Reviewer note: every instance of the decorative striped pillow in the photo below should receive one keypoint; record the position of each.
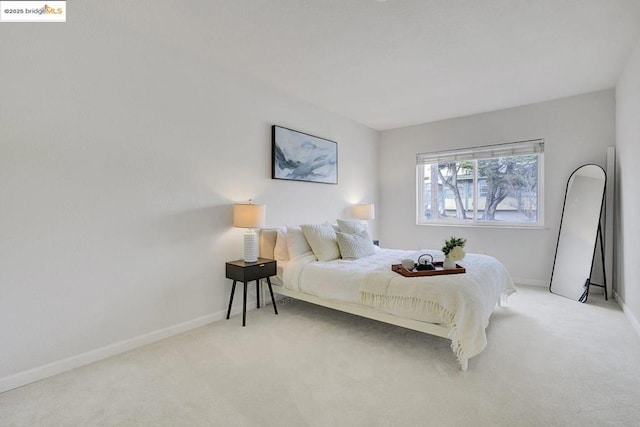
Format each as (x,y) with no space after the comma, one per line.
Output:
(355,245)
(352,225)
(322,239)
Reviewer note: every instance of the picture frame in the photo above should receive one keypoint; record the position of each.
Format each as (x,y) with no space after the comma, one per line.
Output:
(298,156)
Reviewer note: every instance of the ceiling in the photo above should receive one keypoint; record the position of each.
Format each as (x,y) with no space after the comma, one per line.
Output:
(394,63)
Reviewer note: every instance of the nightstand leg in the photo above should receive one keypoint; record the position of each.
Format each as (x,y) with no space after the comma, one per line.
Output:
(233,289)
(244,305)
(258,292)
(273,300)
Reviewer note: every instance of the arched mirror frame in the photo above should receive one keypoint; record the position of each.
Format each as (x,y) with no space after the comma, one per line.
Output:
(597,236)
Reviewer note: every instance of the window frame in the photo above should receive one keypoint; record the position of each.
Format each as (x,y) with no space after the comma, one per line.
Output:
(475,154)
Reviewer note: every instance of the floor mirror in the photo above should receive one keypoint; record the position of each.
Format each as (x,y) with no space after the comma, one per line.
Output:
(579,233)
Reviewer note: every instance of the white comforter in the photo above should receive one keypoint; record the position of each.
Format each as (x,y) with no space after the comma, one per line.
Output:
(463,302)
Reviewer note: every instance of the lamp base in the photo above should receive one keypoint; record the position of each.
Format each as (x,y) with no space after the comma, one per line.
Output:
(250,246)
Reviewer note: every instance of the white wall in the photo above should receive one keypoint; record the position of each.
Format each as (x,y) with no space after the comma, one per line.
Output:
(628,154)
(577,130)
(120,159)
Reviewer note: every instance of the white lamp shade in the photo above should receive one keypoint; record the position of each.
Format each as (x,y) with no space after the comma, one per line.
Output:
(249,215)
(364,211)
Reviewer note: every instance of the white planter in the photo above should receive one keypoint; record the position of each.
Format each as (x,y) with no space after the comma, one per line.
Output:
(449,264)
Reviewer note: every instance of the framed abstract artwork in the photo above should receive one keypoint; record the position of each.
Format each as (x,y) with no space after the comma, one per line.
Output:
(299,156)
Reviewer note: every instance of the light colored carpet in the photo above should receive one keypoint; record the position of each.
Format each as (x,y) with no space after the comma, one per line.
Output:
(550,361)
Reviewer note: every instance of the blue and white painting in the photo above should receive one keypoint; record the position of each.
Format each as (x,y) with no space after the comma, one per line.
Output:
(302,157)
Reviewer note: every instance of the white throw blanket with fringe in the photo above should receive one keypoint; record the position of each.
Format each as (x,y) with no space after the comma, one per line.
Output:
(463,302)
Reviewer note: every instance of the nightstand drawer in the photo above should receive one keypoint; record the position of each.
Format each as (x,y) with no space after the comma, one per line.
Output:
(250,272)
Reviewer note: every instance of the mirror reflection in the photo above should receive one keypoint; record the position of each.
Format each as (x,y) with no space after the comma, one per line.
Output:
(578,233)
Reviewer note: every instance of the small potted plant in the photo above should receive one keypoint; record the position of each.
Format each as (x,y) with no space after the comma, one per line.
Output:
(453,251)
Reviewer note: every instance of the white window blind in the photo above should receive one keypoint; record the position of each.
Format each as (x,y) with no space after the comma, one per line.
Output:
(520,148)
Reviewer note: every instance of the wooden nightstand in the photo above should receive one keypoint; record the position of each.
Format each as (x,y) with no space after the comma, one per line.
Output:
(240,271)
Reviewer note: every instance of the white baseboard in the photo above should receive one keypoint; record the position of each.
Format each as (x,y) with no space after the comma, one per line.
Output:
(530,282)
(545,284)
(41,372)
(634,321)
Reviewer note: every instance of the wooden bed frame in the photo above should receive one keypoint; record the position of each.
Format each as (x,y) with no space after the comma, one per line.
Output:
(267,243)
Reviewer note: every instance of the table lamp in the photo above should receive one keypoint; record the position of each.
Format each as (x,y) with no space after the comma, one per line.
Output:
(249,216)
(364,211)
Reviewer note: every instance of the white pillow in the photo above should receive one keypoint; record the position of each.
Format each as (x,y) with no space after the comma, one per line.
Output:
(296,242)
(354,226)
(280,250)
(355,245)
(351,225)
(322,239)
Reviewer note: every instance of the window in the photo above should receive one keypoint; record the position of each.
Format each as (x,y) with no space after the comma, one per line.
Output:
(495,185)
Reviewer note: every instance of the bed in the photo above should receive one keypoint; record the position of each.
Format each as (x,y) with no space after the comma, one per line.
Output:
(456,307)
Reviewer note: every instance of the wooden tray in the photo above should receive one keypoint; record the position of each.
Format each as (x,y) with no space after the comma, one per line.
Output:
(439,271)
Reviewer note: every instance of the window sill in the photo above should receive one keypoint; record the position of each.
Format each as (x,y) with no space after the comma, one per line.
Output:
(477,225)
